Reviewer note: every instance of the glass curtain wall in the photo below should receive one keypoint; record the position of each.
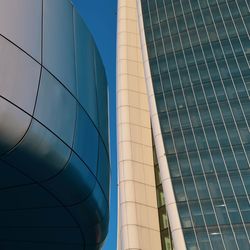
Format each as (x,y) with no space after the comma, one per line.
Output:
(199,53)
(166,238)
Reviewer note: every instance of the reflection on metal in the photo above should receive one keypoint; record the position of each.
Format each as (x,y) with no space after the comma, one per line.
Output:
(54,148)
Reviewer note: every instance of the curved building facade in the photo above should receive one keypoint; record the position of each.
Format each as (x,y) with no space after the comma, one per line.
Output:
(54,141)
(197,72)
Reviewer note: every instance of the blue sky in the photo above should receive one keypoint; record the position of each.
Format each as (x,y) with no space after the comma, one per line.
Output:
(100,16)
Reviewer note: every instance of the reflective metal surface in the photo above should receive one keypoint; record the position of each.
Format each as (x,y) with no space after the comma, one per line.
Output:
(19,76)
(85,72)
(21,22)
(54,158)
(58,41)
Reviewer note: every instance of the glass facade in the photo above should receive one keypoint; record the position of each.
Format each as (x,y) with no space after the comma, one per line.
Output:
(166,237)
(199,53)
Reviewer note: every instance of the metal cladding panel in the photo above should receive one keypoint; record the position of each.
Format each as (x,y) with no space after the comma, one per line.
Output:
(54,158)
(56,108)
(58,41)
(14,123)
(102,96)
(19,76)
(21,23)
(86,132)
(85,72)
(40,153)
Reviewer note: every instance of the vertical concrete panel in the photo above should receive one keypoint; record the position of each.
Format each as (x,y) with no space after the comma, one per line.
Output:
(138,214)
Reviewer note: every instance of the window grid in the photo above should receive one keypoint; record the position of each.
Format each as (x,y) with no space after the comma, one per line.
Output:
(228,100)
(184,140)
(186,11)
(197,146)
(239,137)
(203,103)
(221,116)
(210,26)
(231,110)
(236,57)
(183,186)
(209,60)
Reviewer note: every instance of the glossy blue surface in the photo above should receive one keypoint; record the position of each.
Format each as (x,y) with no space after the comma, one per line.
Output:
(100,16)
(54,145)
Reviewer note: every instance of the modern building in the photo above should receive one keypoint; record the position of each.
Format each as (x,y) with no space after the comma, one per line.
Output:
(54,141)
(183,72)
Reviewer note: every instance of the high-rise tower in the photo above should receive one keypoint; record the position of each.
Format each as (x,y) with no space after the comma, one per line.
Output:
(196,70)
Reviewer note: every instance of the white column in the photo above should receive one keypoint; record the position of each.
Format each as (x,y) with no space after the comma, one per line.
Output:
(138,212)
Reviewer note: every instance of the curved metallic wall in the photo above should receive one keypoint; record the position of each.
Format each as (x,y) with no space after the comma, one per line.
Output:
(54,158)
